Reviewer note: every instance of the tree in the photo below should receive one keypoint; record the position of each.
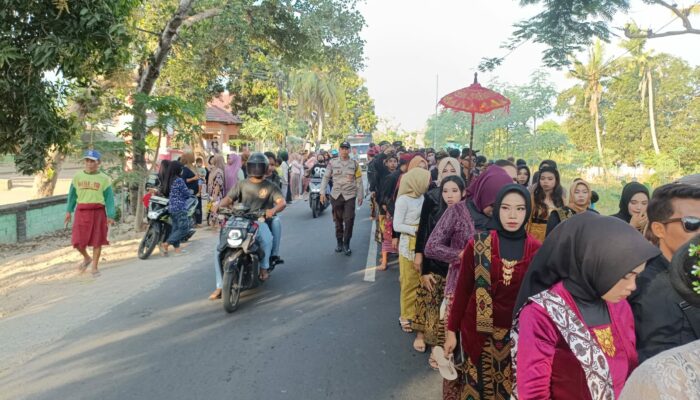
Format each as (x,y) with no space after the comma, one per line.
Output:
(592,75)
(319,98)
(567,27)
(643,62)
(48,49)
(539,95)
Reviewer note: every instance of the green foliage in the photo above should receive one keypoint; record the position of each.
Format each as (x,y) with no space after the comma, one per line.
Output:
(46,50)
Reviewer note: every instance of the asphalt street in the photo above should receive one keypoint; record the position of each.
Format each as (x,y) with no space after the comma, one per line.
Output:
(316,330)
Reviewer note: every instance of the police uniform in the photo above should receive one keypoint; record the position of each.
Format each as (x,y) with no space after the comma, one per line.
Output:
(347,185)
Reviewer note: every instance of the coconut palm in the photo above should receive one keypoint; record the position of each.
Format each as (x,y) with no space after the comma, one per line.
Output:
(319,97)
(591,76)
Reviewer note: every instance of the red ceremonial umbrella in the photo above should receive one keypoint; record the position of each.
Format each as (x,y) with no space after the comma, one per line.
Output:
(474,99)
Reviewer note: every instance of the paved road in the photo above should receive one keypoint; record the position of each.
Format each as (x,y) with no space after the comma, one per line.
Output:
(316,330)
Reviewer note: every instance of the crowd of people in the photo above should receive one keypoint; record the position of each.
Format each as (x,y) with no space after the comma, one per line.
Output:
(523,290)
(513,286)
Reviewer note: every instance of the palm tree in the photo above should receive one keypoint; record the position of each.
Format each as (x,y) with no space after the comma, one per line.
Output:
(319,97)
(644,63)
(592,75)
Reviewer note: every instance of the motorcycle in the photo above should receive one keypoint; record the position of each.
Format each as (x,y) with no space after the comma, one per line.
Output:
(315,197)
(160,224)
(239,253)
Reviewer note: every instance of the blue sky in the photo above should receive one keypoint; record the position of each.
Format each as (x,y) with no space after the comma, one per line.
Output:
(409,42)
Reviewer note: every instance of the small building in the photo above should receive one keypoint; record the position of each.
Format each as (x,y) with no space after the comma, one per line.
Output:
(221,125)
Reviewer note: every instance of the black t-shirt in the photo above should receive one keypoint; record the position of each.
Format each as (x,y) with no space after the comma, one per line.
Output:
(256,196)
(318,170)
(188,174)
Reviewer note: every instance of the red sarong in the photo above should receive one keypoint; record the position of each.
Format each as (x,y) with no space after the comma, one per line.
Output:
(89,226)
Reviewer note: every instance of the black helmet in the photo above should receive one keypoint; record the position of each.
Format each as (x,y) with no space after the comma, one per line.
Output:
(257,165)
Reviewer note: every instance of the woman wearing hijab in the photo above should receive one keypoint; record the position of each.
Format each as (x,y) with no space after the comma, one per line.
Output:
(432,272)
(216,186)
(482,194)
(232,173)
(493,266)
(580,195)
(674,373)
(573,332)
(546,198)
(633,205)
(406,218)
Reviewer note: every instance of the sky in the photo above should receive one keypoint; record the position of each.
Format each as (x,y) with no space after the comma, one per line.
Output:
(410,42)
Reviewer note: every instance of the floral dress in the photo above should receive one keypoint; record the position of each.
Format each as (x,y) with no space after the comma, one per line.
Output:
(216,193)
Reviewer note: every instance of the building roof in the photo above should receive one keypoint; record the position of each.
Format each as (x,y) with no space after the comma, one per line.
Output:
(215,113)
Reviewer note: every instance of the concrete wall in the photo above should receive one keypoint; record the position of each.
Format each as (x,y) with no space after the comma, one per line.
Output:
(29,219)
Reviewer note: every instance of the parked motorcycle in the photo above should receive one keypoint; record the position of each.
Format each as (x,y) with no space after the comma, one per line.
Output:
(315,197)
(160,224)
(239,253)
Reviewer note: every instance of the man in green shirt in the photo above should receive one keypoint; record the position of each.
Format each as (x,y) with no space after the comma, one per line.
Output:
(92,199)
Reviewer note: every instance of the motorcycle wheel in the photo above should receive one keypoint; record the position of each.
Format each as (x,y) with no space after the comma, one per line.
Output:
(232,286)
(314,208)
(149,241)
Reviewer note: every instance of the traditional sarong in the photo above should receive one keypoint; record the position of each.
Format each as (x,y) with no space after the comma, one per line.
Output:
(427,319)
(89,226)
(388,235)
(491,377)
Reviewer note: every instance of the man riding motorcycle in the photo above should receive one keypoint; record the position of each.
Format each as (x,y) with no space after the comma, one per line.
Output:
(257,194)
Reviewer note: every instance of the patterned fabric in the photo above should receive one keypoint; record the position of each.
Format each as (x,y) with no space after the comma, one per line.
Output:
(671,375)
(407,246)
(482,283)
(178,196)
(427,319)
(605,340)
(388,235)
(216,193)
(491,377)
(448,239)
(582,345)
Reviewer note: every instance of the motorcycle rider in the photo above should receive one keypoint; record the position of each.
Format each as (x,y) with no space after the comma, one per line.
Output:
(347,186)
(257,194)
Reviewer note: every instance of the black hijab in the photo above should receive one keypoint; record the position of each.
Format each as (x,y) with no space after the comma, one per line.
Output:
(628,192)
(529,176)
(511,245)
(590,253)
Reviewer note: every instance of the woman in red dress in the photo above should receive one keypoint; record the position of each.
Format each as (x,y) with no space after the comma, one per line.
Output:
(493,266)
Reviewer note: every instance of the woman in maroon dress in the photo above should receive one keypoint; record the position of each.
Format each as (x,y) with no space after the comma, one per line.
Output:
(573,337)
(493,266)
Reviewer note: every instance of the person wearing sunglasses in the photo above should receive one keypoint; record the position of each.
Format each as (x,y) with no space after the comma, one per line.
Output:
(663,320)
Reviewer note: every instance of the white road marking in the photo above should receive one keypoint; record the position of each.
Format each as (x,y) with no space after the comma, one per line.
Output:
(371,266)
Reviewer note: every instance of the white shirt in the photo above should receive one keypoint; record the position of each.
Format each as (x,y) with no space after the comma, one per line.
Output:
(406,218)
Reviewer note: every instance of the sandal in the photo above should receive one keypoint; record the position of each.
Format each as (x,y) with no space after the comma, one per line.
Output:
(215,295)
(445,365)
(417,345)
(406,325)
(95,274)
(83,265)
(381,267)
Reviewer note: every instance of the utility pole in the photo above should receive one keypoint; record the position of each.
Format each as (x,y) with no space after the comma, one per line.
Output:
(437,83)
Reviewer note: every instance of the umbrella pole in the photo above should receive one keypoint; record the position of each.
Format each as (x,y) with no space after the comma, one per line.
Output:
(471,149)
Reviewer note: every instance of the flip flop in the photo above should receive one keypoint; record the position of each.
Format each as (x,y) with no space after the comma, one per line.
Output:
(445,366)
(96,274)
(83,266)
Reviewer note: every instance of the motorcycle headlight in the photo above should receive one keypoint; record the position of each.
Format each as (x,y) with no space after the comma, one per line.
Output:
(235,238)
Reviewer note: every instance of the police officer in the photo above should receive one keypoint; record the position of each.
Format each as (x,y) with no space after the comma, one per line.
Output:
(347,186)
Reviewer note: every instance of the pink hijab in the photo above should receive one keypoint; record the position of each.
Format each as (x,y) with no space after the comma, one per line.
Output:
(233,165)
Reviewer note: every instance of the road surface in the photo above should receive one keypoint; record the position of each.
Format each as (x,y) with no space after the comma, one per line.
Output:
(145,330)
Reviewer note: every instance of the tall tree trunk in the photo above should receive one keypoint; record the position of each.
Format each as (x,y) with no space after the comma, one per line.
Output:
(652,118)
(45,181)
(599,141)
